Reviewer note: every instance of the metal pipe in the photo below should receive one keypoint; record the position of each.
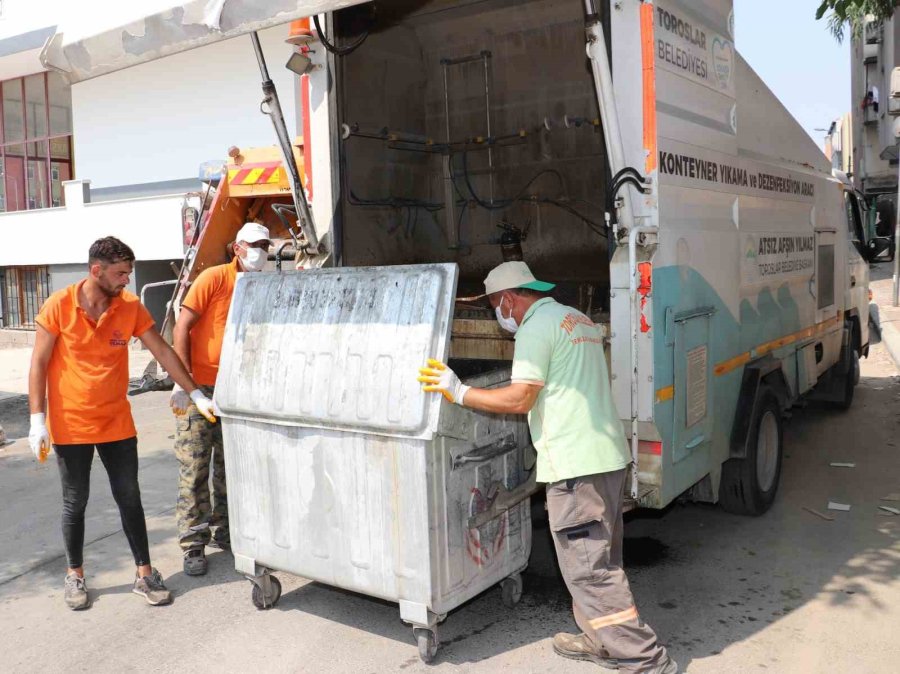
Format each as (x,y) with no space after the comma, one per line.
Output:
(486,58)
(462,59)
(278,254)
(157,284)
(633,234)
(270,99)
(615,148)
(449,196)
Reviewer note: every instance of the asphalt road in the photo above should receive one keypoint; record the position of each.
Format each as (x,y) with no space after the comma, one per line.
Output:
(786,592)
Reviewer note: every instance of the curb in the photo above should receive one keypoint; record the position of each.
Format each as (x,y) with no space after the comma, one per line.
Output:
(890,336)
(889,333)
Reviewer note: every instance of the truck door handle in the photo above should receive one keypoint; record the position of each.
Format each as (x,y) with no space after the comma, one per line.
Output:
(696,442)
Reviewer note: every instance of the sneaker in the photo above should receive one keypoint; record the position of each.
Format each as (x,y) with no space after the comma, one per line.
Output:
(76,593)
(152,589)
(578,647)
(195,562)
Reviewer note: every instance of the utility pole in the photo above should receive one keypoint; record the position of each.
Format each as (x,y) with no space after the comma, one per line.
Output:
(896,294)
(893,111)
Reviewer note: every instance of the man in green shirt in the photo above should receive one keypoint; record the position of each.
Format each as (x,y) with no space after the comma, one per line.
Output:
(559,378)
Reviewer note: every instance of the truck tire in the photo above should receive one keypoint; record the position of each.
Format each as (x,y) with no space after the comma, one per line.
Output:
(749,484)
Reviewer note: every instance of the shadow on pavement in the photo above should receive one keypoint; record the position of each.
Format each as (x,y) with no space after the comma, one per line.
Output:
(14,415)
(702,578)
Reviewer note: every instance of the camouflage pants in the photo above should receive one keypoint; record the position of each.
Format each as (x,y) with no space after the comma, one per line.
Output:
(198,446)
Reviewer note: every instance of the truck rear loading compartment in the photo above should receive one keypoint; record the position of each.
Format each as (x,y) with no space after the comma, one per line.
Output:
(493,102)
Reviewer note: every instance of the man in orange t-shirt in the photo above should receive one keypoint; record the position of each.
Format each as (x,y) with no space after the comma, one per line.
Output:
(79,376)
(198,336)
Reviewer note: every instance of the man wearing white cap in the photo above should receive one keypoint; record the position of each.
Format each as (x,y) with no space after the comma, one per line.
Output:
(198,342)
(560,379)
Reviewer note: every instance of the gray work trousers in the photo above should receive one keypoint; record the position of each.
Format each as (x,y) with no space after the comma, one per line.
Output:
(586,520)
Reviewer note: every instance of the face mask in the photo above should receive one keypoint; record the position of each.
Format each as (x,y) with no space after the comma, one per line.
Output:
(508,323)
(254,259)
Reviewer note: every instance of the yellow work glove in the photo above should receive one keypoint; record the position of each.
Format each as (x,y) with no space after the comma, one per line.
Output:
(179,401)
(39,437)
(438,378)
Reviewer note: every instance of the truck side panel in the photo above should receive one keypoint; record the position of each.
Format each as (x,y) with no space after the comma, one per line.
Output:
(752,251)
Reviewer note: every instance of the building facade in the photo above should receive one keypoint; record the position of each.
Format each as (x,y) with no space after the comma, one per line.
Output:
(874,144)
(839,144)
(115,155)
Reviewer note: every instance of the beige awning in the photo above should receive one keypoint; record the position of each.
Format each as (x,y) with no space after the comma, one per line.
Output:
(80,51)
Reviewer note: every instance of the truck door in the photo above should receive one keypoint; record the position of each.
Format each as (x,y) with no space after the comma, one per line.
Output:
(857,288)
(825,285)
(693,404)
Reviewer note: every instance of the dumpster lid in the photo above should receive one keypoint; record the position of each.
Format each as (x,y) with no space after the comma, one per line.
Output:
(88,44)
(337,348)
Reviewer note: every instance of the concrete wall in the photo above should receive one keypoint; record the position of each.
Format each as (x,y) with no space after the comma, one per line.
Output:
(152,227)
(539,71)
(873,142)
(155,299)
(158,121)
(62,275)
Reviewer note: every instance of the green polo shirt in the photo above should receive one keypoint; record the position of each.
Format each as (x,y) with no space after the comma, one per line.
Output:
(574,423)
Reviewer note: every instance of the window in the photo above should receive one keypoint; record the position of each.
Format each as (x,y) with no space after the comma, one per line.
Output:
(24,290)
(35,141)
(825,275)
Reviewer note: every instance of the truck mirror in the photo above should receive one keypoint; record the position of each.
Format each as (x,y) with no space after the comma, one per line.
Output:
(896,127)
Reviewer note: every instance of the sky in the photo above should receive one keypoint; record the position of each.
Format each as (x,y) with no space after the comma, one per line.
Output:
(797,57)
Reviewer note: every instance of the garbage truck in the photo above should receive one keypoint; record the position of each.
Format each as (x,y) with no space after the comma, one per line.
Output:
(628,153)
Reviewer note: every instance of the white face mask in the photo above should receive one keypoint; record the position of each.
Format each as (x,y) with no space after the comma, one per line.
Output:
(508,323)
(254,259)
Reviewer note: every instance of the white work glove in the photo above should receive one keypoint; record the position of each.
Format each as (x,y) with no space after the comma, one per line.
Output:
(204,405)
(179,401)
(438,378)
(38,437)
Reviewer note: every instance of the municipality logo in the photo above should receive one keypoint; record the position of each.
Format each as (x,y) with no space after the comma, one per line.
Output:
(751,250)
(723,62)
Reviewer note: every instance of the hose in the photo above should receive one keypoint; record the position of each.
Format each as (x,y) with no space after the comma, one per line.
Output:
(501,204)
(641,187)
(627,170)
(278,208)
(338,51)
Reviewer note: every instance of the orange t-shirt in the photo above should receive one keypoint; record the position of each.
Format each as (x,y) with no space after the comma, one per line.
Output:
(210,298)
(87,377)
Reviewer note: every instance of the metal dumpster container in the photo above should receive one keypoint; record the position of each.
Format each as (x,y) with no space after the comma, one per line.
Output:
(341,470)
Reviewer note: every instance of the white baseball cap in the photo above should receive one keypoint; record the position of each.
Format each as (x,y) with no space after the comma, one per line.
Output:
(510,275)
(252,232)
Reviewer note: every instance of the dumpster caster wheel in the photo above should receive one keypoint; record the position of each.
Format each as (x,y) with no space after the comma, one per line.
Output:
(428,644)
(511,591)
(264,601)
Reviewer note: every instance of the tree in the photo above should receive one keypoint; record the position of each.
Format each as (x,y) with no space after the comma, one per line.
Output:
(852,14)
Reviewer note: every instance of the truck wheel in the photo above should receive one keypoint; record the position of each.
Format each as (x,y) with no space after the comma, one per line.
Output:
(749,484)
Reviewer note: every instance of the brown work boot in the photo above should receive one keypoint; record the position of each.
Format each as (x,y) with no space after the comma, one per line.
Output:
(579,647)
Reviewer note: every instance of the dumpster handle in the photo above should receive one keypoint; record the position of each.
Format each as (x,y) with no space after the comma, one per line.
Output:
(492,449)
